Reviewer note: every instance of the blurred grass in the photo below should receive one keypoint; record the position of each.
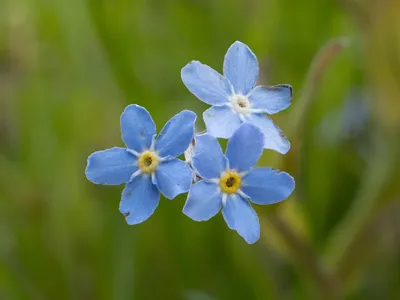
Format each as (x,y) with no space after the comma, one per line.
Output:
(67,70)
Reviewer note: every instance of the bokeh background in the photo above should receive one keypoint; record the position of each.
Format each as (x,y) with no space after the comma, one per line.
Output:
(69,67)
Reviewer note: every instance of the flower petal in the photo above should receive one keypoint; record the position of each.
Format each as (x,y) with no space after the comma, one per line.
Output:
(208,159)
(240,216)
(271,99)
(206,83)
(137,128)
(241,68)
(139,200)
(173,177)
(176,135)
(221,121)
(111,167)
(245,147)
(204,201)
(273,136)
(267,186)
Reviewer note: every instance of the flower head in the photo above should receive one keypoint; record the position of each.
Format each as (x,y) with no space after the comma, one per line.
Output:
(235,98)
(148,165)
(229,181)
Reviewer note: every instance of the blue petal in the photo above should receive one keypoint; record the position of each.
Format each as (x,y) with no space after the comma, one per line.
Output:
(267,186)
(112,166)
(204,201)
(137,128)
(176,135)
(245,147)
(273,136)
(173,177)
(221,121)
(240,216)
(140,199)
(206,83)
(241,68)
(271,99)
(208,159)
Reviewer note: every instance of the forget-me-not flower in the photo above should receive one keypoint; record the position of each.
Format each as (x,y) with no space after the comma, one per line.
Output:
(148,165)
(235,98)
(229,181)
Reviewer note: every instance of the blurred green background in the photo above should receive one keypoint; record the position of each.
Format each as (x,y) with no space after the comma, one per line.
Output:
(69,67)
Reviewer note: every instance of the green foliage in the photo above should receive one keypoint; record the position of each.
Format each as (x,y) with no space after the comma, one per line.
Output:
(67,70)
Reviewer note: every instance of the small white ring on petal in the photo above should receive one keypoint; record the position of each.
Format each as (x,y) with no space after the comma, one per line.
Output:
(137,154)
(153,143)
(243,173)
(214,180)
(256,111)
(240,104)
(165,158)
(136,174)
(224,197)
(240,192)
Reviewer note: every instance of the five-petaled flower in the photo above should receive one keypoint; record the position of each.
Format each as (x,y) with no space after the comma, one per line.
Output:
(235,99)
(148,165)
(230,181)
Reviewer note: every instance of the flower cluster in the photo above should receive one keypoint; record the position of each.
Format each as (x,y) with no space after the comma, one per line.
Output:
(213,180)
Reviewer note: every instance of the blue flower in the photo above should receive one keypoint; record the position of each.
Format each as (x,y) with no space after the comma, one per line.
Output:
(230,181)
(148,165)
(235,99)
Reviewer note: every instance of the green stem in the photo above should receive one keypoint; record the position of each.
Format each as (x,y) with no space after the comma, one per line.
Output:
(328,284)
(318,66)
(360,247)
(341,246)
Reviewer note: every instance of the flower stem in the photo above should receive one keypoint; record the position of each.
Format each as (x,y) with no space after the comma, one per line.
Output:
(318,66)
(327,283)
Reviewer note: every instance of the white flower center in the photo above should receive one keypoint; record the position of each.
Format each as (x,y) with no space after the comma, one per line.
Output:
(240,104)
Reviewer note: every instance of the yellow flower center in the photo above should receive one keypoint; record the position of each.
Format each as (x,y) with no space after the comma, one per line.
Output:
(229,182)
(148,161)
